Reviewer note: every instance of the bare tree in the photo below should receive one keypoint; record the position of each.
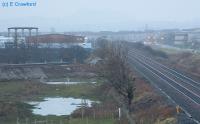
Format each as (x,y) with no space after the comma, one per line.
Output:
(117,71)
(102,47)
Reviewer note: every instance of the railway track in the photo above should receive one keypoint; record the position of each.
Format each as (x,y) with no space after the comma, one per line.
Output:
(181,89)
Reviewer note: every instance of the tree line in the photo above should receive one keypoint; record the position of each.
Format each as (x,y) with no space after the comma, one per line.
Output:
(41,55)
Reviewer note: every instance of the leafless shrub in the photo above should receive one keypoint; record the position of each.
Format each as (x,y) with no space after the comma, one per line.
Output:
(116,71)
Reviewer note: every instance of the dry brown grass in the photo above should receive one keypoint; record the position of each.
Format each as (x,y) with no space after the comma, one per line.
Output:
(187,62)
(149,106)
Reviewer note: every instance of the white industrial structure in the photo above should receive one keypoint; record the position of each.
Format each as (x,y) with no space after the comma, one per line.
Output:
(5,40)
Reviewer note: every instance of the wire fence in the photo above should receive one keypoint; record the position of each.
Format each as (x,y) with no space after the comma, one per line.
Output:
(67,121)
(98,115)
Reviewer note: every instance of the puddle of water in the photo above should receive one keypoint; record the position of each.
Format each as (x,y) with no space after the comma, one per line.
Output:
(58,106)
(57,82)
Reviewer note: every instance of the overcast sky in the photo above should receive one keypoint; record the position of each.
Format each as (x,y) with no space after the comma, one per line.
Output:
(98,15)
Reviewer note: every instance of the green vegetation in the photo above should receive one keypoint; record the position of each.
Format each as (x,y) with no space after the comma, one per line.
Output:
(56,120)
(168,50)
(149,50)
(92,121)
(26,91)
(167,121)
(14,93)
(85,90)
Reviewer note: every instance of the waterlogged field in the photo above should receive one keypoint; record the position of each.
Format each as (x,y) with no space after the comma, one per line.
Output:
(59,106)
(29,101)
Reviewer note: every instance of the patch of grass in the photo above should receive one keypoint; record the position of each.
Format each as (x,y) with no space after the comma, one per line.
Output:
(65,120)
(170,51)
(167,121)
(73,79)
(10,111)
(92,121)
(27,91)
(16,92)
(85,90)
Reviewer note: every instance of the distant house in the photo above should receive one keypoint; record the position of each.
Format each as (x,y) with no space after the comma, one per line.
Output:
(194,37)
(180,38)
(57,41)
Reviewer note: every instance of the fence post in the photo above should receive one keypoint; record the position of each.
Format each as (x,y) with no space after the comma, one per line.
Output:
(112,116)
(26,120)
(119,113)
(17,120)
(82,109)
(94,114)
(87,120)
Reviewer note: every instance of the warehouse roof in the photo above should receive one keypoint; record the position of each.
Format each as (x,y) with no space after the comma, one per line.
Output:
(56,38)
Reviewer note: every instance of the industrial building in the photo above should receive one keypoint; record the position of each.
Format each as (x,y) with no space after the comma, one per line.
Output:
(45,41)
(180,38)
(57,41)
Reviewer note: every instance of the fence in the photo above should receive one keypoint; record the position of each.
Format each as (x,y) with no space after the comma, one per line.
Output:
(66,121)
(26,121)
(98,114)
